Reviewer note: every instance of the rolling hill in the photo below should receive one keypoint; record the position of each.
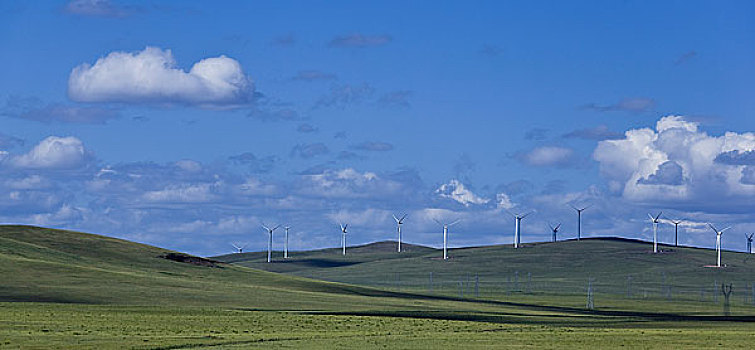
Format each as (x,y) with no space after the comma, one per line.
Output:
(621,267)
(64,289)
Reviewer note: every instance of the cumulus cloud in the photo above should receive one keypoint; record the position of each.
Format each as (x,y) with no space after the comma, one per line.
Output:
(348,183)
(668,173)
(598,133)
(456,191)
(736,157)
(396,99)
(35,109)
(374,146)
(685,57)
(255,164)
(151,76)
(194,193)
(314,75)
(678,163)
(537,134)
(632,105)
(306,128)
(53,153)
(309,150)
(345,95)
(547,156)
(98,8)
(358,40)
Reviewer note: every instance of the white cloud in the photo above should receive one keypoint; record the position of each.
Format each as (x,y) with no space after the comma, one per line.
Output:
(53,153)
(676,162)
(547,156)
(183,193)
(456,191)
(151,76)
(348,183)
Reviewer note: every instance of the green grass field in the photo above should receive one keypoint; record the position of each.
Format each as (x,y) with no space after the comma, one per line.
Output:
(63,289)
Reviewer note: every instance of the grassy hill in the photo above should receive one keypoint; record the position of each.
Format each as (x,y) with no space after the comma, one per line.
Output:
(48,265)
(63,289)
(617,267)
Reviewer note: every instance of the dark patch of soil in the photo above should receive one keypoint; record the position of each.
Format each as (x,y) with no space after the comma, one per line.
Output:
(194,260)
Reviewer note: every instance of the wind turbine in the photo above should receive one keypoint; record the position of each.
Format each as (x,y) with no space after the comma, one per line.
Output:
(555,230)
(399,222)
(676,231)
(749,242)
(718,242)
(579,219)
(518,228)
(445,235)
(270,240)
(285,243)
(343,237)
(655,220)
(239,247)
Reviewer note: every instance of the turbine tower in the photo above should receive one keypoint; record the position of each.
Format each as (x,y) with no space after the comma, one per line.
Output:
(749,242)
(343,237)
(655,220)
(285,243)
(554,229)
(399,222)
(718,242)
(270,240)
(239,247)
(518,228)
(579,220)
(676,231)
(445,236)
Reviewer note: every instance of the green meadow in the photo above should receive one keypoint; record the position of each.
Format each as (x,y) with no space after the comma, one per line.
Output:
(63,289)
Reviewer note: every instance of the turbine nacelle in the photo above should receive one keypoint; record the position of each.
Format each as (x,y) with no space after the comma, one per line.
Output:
(400,220)
(718,233)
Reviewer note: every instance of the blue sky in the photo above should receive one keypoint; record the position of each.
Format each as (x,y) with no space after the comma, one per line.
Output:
(186,124)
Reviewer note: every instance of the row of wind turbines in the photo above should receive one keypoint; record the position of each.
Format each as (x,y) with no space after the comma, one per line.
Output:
(518,217)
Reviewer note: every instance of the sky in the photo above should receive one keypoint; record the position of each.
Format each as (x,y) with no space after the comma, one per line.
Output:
(188,124)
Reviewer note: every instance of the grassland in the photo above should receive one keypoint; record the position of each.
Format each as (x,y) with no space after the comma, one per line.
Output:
(625,274)
(63,289)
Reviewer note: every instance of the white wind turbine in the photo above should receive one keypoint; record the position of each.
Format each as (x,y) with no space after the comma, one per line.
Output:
(655,220)
(285,243)
(554,229)
(718,242)
(399,222)
(239,247)
(579,219)
(749,242)
(270,240)
(518,227)
(445,235)
(343,236)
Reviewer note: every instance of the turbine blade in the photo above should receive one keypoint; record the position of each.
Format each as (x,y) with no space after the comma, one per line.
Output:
(552,228)
(722,231)
(651,217)
(395,218)
(265,227)
(558,226)
(713,227)
(528,214)
(439,223)
(454,223)
(658,216)
(276,227)
(403,217)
